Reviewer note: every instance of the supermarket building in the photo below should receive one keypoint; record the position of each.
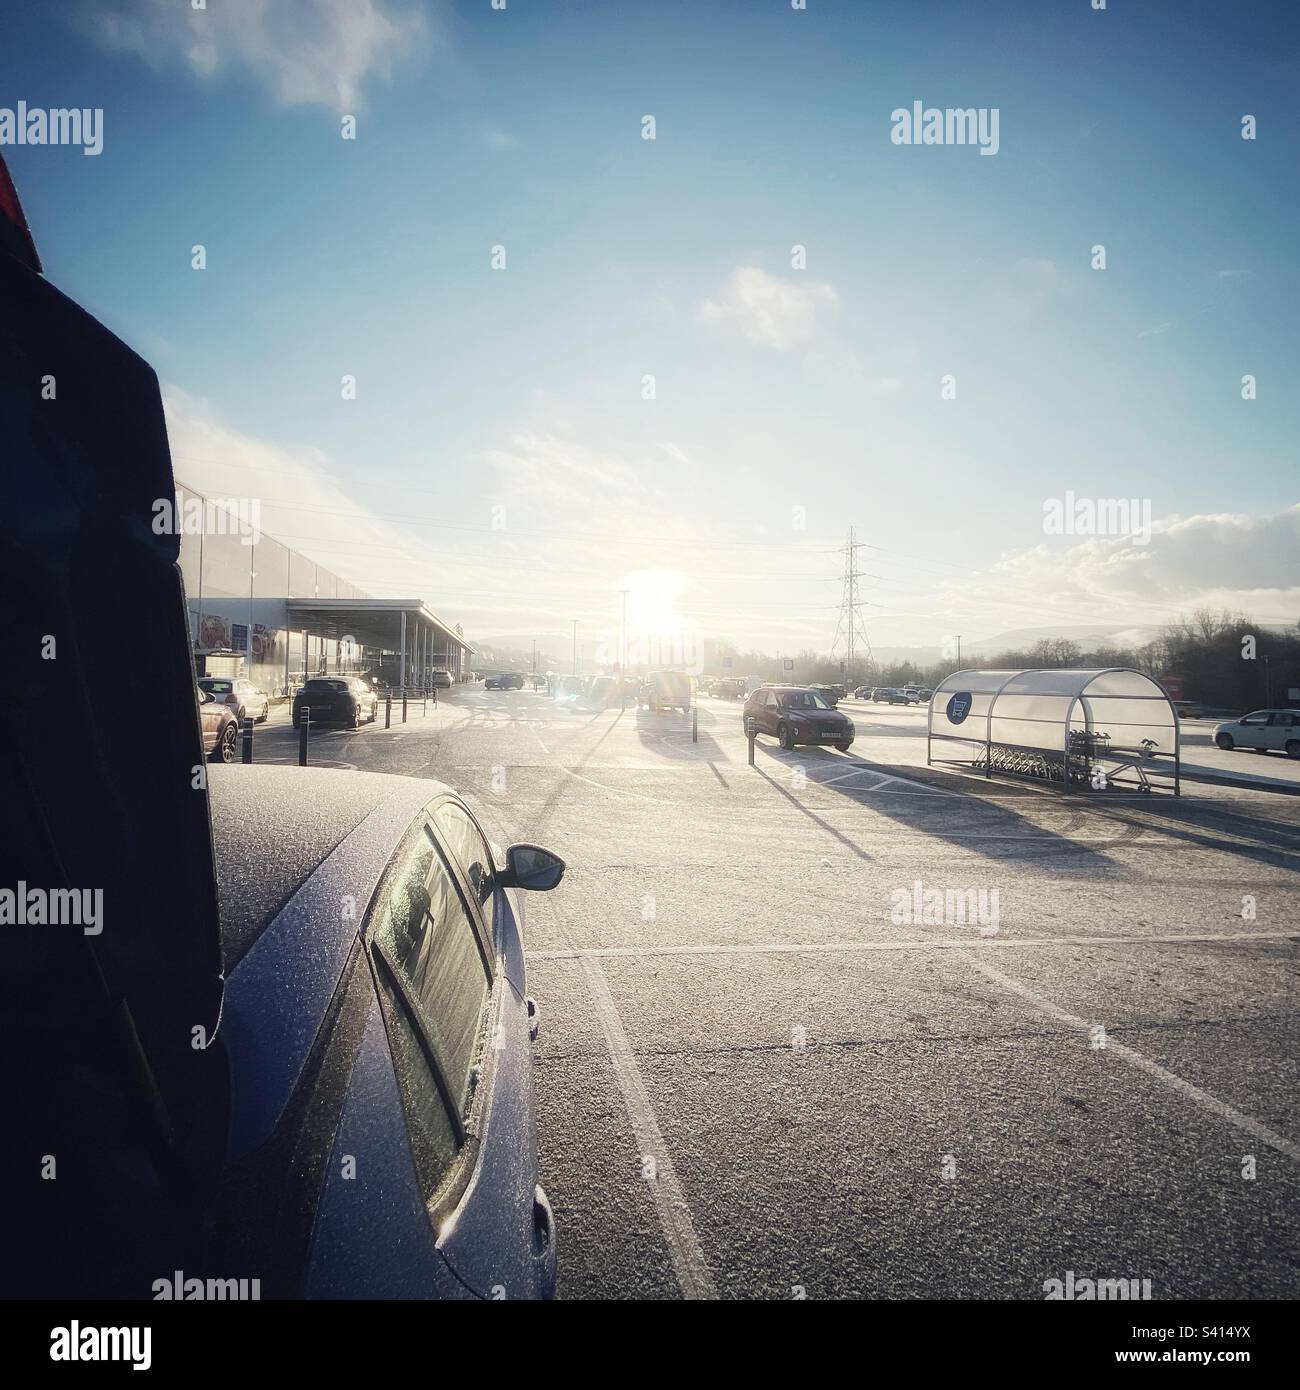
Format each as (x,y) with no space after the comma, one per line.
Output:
(292,618)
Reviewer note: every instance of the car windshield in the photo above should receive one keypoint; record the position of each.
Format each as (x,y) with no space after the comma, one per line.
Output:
(326,685)
(217,687)
(803,699)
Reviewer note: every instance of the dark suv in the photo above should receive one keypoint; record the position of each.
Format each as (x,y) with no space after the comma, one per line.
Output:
(796,714)
(336,700)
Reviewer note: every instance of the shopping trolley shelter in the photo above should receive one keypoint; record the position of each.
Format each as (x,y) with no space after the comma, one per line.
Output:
(1087,730)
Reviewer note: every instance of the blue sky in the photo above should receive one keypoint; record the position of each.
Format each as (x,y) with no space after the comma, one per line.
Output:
(775,388)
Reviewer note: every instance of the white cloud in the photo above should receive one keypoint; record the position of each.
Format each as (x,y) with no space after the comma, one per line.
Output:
(303,52)
(776,313)
(1220,560)
(299,502)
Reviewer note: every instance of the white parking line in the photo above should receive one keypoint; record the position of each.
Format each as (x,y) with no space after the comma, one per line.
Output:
(1211,1104)
(674,1215)
(760,948)
(615,791)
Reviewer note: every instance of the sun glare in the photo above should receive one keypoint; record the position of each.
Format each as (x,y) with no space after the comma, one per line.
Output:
(652,597)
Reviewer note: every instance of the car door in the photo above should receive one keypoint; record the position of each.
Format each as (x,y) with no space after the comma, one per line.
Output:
(1252,730)
(457,1033)
(1280,729)
(210,719)
(771,710)
(517,1217)
(434,977)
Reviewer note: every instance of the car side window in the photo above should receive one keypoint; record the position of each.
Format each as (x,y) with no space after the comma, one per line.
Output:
(434,1135)
(1256,718)
(466,842)
(427,939)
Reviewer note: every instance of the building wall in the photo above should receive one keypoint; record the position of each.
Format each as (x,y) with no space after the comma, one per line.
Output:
(237,588)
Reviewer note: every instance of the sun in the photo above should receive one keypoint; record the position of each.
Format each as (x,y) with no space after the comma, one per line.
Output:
(652,597)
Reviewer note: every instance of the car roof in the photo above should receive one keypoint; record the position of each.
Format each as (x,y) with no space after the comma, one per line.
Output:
(272,827)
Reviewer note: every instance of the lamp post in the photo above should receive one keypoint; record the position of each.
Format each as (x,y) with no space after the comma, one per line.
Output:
(622,659)
(252,575)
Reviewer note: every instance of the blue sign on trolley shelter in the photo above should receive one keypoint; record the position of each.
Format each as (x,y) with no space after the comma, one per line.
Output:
(959,707)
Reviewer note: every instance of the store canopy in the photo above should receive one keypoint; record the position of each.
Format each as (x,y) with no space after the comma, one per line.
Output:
(373,622)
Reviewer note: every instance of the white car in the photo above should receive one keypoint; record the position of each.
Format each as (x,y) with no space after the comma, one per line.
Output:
(240,694)
(1265,730)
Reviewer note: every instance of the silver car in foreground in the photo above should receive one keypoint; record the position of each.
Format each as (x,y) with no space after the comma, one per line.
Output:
(1264,731)
(381,1140)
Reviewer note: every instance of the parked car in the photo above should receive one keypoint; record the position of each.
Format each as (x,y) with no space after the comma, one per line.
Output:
(889,695)
(568,687)
(404,1041)
(604,692)
(440,678)
(795,714)
(306,1058)
(241,695)
(667,690)
(504,680)
(832,694)
(220,726)
(730,689)
(336,700)
(1264,731)
(864,692)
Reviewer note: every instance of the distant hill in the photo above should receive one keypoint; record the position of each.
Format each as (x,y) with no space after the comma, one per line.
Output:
(1017,639)
(1088,637)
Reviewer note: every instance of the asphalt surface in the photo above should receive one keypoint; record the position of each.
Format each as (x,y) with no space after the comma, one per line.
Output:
(761,1073)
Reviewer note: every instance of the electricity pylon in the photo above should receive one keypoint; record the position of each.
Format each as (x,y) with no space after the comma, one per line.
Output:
(850,630)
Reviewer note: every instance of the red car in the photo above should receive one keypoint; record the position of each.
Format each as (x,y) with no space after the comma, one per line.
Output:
(797,714)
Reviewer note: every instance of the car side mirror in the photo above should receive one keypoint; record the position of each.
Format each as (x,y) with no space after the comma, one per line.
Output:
(533,868)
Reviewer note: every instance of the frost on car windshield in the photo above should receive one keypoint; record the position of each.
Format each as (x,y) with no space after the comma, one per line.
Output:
(803,699)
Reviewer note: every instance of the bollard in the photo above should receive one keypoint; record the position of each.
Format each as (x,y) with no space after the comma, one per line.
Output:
(304,729)
(388,710)
(751,733)
(246,752)
(435,697)
(695,724)
(424,707)
(403,704)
